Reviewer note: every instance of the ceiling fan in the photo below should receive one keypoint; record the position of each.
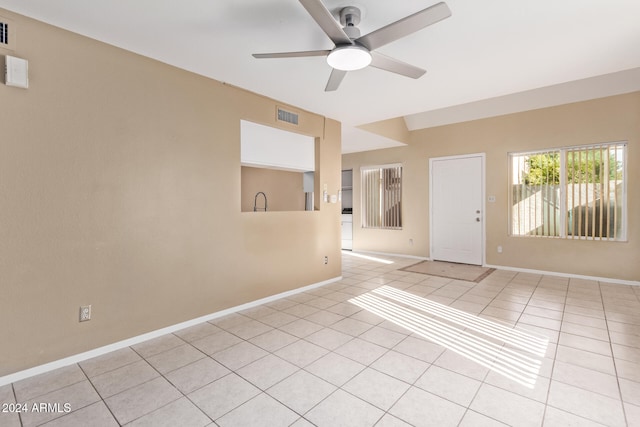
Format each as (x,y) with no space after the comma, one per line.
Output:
(354,52)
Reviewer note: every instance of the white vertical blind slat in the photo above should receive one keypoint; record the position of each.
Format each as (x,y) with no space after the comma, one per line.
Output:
(382,197)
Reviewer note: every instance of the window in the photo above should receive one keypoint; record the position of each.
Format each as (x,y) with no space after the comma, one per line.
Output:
(573,193)
(382,196)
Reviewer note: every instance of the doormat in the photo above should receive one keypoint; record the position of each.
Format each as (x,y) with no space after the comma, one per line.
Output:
(452,270)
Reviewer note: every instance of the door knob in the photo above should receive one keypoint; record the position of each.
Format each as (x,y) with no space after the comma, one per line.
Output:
(477,211)
(477,219)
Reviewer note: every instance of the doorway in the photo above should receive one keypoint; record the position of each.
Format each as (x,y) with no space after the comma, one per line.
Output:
(456,206)
(347,209)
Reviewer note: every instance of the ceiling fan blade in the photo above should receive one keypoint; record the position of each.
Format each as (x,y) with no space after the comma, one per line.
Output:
(334,80)
(325,20)
(389,64)
(405,26)
(292,54)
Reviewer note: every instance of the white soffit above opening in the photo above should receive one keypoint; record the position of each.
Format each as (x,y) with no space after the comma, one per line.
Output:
(355,140)
(268,147)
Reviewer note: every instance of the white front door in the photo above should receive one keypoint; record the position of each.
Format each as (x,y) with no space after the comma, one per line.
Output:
(456,201)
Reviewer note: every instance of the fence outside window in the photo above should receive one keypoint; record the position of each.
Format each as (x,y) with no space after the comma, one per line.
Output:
(572,192)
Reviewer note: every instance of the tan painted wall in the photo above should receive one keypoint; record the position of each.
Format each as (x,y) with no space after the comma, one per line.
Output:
(120,188)
(283,189)
(608,119)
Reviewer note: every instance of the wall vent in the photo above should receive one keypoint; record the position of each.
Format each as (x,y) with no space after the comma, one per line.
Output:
(4,33)
(287,116)
(7,34)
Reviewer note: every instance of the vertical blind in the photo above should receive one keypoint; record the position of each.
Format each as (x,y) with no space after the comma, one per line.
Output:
(382,197)
(595,192)
(574,193)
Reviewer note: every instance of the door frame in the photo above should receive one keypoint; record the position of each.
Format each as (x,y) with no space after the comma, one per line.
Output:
(483,242)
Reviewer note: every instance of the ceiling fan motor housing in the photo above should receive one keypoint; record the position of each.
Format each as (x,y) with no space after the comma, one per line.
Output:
(352,32)
(350,16)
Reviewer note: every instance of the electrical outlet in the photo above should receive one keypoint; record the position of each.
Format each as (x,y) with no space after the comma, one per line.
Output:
(85,313)
(326,260)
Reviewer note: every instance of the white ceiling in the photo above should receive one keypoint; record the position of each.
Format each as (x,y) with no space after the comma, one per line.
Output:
(489,57)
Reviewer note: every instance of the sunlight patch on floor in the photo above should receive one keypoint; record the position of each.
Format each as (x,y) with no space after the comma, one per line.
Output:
(510,352)
(367,257)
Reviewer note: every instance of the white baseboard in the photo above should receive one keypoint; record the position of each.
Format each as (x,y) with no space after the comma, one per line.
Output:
(521,270)
(393,255)
(569,275)
(41,369)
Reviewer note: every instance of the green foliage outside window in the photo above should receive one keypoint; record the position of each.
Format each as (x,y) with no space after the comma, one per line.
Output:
(543,169)
(589,166)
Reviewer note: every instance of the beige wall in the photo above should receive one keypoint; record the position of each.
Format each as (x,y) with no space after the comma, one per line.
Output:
(603,120)
(120,188)
(283,189)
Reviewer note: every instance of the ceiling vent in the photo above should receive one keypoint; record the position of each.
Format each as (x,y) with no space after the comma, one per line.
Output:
(287,116)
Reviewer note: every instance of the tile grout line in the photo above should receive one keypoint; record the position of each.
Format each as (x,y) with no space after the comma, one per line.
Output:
(99,395)
(555,354)
(172,384)
(468,408)
(148,381)
(484,380)
(613,358)
(15,399)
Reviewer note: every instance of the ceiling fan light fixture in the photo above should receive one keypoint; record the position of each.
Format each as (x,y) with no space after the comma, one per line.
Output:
(349,58)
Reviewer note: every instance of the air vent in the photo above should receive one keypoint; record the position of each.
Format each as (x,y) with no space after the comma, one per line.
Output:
(7,34)
(4,33)
(287,116)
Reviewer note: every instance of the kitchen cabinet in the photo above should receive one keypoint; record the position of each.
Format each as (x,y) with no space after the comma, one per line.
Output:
(347,231)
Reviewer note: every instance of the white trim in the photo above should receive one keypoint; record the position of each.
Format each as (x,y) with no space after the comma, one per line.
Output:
(393,254)
(483,190)
(41,369)
(569,275)
(564,193)
(569,147)
(385,166)
(522,270)
(625,206)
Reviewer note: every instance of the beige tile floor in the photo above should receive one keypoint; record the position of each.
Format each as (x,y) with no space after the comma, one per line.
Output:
(381,347)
